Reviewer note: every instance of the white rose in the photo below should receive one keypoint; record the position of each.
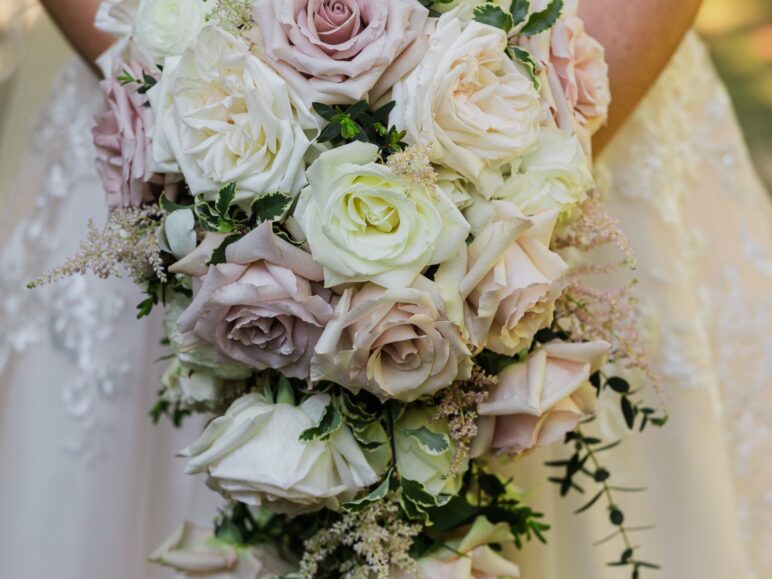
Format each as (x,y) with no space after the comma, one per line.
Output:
(254,455)
(224,116)
(364,223)
(166,27)
(455,187)
(195,552)
(189,387)
(418,463)
(469,102)
(554,175)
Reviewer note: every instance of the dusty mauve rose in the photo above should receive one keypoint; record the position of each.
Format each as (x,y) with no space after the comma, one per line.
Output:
(337,51)
(395,343)
(265,307)
(122,142)
(504,288)
(537,401)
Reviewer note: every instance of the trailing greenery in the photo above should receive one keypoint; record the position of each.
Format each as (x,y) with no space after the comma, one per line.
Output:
(585,465)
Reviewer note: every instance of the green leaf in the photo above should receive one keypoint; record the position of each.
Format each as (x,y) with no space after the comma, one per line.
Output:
(519,10)
(324,111)
(628,410)
(434,443)
(492,362)
(357,109)
(218,255)
(616,517)
(524,58)
(328,425)
(170,206)
(225,197)
(377,494)
(492,15)
(329,133)
(491,485)
(146,306)
(589,503)
(417,493)
(125,78)
(618,385)
(270,207)
(544,20)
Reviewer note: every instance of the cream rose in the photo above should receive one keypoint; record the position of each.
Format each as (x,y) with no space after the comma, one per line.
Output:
(554,175)
(469,102)
(195,552)
(471,557)
(224,116)
(538,401)
(265,307)
(166,27)
(341,51)
(364,223)
(254,455)
(505,286)
(420,464)
(394,343)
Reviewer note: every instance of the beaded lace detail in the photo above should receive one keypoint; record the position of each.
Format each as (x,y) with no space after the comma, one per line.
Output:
(680,179)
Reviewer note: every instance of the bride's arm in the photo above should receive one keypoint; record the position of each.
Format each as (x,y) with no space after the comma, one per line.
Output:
(640,36)
(75,18)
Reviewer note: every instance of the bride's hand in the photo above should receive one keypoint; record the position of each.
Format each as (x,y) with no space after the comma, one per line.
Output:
(640,36)
(75,18)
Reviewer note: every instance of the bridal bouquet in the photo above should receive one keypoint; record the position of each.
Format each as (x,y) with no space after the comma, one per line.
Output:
(363,219)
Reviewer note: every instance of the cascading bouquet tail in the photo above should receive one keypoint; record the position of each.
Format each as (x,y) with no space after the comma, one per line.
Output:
(367,222)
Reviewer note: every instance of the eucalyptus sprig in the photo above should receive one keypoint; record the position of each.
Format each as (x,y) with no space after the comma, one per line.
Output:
(585,463)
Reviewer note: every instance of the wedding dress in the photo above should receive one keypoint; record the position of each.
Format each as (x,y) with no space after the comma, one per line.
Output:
(88,486)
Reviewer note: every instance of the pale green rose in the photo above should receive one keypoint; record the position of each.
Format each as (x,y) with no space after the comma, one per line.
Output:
(554,175)
(420,462)
(364,223)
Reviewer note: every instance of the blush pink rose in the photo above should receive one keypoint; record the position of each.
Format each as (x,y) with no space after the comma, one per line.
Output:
(394,343)
(580,64)
(341,51)
(121,138)
(538,401)
(265,307)
(503,289)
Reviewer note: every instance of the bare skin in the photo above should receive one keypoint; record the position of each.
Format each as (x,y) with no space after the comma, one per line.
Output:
(75,18)
(640,36)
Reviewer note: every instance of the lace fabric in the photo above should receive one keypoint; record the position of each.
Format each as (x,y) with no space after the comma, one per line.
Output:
(681,180)
(89,486)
